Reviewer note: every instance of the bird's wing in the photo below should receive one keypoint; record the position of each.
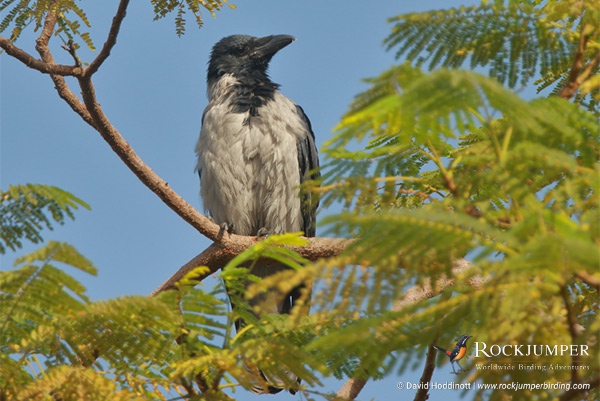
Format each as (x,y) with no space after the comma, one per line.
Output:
(198,169)
(308,161)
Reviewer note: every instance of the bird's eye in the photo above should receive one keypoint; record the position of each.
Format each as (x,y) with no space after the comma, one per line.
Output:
(239,50)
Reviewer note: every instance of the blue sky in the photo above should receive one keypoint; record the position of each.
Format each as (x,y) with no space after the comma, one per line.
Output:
(153,90)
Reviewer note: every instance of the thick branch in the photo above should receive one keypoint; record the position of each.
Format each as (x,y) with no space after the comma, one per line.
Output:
(111,40)
(91,113)
(229,246)
(351,388)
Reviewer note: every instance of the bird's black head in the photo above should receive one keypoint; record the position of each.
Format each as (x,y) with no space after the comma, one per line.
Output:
(462,341)
(243,55)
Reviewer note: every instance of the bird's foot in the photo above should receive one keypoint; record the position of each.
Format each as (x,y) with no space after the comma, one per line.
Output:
(263,232)
(227,228)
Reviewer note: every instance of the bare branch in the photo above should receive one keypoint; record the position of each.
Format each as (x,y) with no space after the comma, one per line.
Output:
(59,81)
(352,387)
(111,40)
(145,174)
(36,64)
(41,43)
(573,331)
(423,392)
(92,114)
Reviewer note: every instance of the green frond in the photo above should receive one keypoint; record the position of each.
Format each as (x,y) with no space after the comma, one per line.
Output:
(164,7)
(35,295)
(37,290)
(452,164)
(24,13)
(74,384)
(25,210)
(514,40)
(401,144)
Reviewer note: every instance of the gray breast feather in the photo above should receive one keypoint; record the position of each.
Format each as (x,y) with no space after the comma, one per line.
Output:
(250,167)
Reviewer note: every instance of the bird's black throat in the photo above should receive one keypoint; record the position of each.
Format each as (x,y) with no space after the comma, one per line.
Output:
(250,94)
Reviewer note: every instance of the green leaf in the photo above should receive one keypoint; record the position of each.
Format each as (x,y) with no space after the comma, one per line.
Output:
(25,210)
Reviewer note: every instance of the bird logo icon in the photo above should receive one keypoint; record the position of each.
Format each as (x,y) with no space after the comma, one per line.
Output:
(457,353)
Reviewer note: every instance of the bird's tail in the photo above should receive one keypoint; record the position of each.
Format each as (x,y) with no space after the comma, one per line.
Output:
(272,302)
(440,349)
(272,384)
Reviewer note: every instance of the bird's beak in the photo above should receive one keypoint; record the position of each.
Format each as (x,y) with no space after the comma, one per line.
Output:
(269,45)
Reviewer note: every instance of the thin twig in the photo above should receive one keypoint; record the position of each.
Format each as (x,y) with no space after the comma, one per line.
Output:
(572,325)
(579,73)
(111,40)
(352,387)
(70,47)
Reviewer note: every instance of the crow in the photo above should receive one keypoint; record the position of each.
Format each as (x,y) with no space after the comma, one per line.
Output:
(256,147)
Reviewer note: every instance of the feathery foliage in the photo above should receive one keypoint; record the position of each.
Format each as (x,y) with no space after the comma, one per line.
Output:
(430,167)
(25,210)
(23,13)
(515,40)
(451,164)
(164,7)
(55,342)
(71,19)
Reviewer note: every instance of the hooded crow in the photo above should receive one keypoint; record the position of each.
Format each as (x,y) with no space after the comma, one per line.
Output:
(256,147)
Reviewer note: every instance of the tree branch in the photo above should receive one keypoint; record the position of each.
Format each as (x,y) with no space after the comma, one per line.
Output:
(144,173)
(573,331)
(423,392)
(36,64)
(588,279)
(579,73)
(59,81)
(41,43)
(111,40)
(91,113)
(228,246)
(352,387)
